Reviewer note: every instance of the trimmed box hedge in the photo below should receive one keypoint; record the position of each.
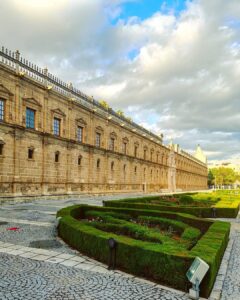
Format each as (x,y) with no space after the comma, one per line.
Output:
(223,208)
(164,264)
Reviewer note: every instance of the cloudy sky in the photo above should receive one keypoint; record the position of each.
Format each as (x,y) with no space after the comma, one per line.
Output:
(173,66)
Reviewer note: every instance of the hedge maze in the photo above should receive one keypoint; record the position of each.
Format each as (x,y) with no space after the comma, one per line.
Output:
(157,237)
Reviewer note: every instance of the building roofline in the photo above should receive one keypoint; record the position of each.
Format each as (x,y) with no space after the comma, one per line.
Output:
(14,61)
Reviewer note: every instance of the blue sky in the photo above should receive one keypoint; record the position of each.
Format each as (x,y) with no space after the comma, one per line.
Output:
(146,8)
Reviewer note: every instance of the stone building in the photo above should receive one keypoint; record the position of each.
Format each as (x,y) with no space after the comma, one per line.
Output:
(56,140)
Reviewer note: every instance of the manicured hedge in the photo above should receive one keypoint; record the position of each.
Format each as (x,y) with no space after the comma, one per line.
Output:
(211,248)
(166,265)
(223,208)
(140,228)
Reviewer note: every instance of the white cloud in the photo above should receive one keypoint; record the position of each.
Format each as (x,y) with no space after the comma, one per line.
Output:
(183,79)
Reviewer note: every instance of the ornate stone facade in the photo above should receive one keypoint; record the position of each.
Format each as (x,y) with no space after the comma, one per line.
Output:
(56,140)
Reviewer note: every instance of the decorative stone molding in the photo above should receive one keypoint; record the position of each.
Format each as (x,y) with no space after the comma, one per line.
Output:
(99,129)
(113,135)
(58,113)
(5,93)
(81,122)
(32,102)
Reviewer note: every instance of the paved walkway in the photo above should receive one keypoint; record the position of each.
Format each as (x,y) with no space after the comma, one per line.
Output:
(36,264)
(227,285)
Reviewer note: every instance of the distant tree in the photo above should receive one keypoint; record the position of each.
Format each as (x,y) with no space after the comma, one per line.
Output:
(224,176)
(210,177)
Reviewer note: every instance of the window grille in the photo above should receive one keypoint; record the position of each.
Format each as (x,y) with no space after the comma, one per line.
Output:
(111,145)
(56,126)
(98,139)
(80,134)
(2,110)
(30,118)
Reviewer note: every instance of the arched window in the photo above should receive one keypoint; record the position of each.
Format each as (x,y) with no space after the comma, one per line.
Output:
(79,160)
(135,170)
(98,163)
(57,156)
(124,168)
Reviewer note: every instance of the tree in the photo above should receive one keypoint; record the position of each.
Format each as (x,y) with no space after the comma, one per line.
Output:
(224,176)
(210,177)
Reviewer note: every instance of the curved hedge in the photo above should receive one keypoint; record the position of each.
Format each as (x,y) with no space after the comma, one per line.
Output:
(166,265)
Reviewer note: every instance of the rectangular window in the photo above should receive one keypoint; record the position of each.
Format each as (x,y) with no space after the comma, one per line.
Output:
(56,126)
(1,110)
(30,153)
(79,134)
(1,149)
(57,157)
(98,139)
(111,144)
(30,118)
(124,148)
(145,154)
(135,151)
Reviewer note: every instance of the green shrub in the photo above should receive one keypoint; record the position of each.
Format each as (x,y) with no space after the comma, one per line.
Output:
(164,223)
(200,205)
(191,235)
(186,200)
(211,248)
(132,231)
(166,263)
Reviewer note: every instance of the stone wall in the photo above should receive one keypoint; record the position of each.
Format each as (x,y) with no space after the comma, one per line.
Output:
(82,167)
